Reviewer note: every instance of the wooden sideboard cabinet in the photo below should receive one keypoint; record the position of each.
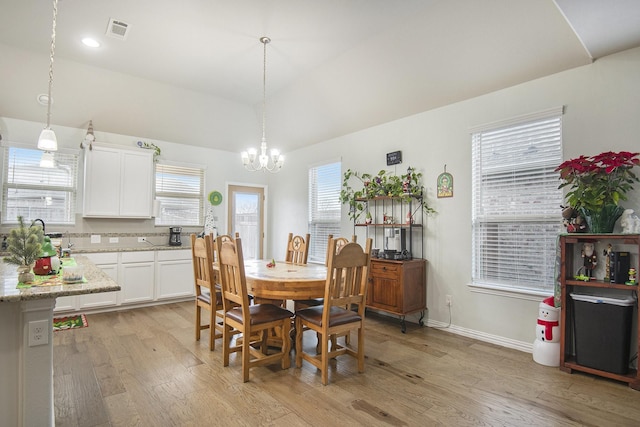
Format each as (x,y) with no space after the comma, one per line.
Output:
(397,276)
(398,287)
(570,263)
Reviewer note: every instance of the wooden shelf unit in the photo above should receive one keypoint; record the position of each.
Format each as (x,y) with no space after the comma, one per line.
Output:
(397,287)
(568,284)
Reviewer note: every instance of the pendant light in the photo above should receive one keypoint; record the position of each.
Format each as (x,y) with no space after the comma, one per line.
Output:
(263,162)
(47,140)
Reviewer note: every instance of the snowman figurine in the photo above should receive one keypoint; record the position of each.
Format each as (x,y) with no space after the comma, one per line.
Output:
(546,347)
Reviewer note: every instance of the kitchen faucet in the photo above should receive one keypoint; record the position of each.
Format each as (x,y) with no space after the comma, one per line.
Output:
(69,245)
(41,222)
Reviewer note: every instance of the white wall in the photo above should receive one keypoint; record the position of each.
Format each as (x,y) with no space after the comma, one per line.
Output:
(602,113)
(221,167)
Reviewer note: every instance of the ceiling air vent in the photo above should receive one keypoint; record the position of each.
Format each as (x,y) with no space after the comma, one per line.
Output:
(117,29)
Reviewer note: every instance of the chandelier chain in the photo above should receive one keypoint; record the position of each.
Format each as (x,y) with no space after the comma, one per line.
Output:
(264,41)
(51,54)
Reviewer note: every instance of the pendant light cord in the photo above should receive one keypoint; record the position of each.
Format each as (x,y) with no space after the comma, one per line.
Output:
(264,41)
(53,47)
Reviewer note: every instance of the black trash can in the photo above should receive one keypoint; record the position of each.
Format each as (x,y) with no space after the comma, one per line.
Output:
(603,331)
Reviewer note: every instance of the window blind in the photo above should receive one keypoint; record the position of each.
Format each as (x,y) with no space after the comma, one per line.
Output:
(33,191)
(180,193)
(324,208)
(516,203)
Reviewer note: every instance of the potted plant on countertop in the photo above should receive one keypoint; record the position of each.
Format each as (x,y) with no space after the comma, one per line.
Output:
(597,184)
(383,184)
(24,245)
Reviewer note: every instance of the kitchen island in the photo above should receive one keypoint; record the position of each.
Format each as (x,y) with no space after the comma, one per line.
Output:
(26,389)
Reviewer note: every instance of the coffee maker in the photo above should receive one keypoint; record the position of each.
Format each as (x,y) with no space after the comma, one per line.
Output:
(174,236)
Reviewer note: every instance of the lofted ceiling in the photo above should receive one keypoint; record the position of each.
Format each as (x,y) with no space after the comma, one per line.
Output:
(191,71)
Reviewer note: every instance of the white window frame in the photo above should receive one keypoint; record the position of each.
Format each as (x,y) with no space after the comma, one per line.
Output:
(324,207)
(56,188)
(516,202)
(171,195)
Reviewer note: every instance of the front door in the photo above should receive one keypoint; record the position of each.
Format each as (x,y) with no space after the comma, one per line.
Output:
(246,217)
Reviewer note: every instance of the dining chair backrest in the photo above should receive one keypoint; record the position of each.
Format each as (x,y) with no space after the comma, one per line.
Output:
(202,255)
(223,237)
(232,276)
(207,294)
(340,242)
(297,249)
(347,277)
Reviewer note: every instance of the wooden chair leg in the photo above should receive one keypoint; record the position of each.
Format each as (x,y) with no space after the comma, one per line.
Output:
(361,349)
(198,321)
(325,362)
(299,343)
(286,345)
(246,358)
(226,344)
(212,329)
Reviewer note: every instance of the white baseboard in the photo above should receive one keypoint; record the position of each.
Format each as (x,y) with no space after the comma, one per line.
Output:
(527,347)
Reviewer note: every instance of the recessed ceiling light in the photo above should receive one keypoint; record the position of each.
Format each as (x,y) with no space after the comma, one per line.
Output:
(87,41)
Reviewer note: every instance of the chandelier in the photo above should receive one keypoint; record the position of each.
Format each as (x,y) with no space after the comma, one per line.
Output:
(250,158)
(47,140)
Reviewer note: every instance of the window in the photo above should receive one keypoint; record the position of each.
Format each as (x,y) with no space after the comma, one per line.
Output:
(324,208)
(35,191)
(180,193)
(516,203)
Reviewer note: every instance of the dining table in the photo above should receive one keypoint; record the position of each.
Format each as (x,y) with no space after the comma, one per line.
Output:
(284,281)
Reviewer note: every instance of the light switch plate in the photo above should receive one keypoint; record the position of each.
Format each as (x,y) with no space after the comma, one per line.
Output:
(113,240)
(95,238)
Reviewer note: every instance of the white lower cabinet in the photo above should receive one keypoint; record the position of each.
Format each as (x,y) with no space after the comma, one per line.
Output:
(107,262)
(144,276)
(174,274)
(69,303)
(137,277)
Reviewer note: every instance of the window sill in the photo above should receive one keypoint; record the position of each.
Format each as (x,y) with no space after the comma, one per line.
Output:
(503,291)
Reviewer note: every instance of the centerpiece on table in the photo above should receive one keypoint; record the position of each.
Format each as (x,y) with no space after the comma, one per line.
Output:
(597,184)
(24,247)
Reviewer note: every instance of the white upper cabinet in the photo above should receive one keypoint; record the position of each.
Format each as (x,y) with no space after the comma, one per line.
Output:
(118,182)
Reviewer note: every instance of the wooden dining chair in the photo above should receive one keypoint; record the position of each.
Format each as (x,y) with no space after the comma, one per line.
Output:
(297,249)
(208,295)
(302,304)
(346,286)
(250,320)
(339,243)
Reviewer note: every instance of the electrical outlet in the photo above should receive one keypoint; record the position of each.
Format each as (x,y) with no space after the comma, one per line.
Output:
(96,238)
(113,240)
(448,300)
(142,239)
(38,333)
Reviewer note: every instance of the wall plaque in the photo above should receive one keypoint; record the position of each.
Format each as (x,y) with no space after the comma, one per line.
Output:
(394,158)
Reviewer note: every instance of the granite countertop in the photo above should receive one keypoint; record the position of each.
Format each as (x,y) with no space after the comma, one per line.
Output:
(126,249)
(100,249)
(97,281)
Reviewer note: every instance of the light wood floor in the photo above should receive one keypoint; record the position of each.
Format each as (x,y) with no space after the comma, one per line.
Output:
(143,367)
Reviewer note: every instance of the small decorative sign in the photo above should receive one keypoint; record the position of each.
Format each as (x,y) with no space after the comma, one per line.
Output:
(445,184)
(394,158)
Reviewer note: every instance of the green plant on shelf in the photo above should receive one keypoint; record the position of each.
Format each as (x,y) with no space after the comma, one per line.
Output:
(384,184)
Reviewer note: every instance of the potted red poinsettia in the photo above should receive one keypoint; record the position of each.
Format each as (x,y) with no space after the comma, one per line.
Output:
(597,184)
